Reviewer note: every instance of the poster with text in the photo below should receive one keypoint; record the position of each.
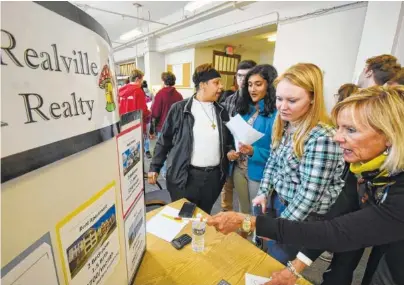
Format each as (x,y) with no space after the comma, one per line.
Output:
(129,145)
(135,237)
(35,265)
(88,240)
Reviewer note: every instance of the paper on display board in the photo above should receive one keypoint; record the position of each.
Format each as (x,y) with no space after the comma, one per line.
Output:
(89,241)
(129,145)
(135,237)
(35,265)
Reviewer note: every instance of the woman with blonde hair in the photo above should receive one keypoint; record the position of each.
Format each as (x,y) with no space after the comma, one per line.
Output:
(301,179)
(371,134)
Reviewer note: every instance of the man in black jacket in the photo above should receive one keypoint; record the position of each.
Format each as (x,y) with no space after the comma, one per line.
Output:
(195,142)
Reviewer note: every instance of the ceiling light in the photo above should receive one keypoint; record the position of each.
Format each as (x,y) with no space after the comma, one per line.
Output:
(130,35)
(272,38)
(194,5)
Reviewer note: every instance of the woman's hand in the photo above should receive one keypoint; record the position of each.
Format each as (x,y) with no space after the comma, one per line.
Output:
(226,222)
(233,155)
(246,149)
(283,277)
(152,177)
(260,200)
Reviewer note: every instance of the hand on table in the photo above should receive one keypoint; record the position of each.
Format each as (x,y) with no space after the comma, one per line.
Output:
(152,177)
(283,277)
(233,155)
(226,222)
(246,149)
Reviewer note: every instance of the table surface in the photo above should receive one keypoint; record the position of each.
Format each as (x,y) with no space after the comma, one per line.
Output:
(226,257)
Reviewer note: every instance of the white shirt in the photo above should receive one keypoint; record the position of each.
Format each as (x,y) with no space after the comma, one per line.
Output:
(206,147)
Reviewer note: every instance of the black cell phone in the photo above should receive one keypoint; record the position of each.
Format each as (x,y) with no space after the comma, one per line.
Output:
(181,241)
(187,210)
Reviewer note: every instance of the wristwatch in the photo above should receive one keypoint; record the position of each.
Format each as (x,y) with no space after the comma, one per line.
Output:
(246,225)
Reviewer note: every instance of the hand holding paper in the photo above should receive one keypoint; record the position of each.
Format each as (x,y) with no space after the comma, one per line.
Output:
(242,131)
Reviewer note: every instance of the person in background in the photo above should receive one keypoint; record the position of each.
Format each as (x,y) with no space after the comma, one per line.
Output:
(378,70)
(194,141)
(302,178)
(398,79)
(225,94)
(230,105)
(345,91)
(257,108)
(163,101)
(372,115)
(149,98)
(132,97)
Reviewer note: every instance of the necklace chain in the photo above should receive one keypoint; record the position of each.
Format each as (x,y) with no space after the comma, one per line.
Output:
(213,125)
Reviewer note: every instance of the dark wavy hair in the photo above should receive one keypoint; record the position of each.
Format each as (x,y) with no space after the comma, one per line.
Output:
(269,74)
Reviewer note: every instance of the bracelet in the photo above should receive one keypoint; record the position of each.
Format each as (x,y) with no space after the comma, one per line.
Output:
(293,270)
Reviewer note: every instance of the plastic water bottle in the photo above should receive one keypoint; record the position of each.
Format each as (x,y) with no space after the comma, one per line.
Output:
(198,235)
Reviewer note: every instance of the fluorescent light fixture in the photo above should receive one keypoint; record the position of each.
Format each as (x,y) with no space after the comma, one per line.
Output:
(195,5)
(130,35)
(272,38)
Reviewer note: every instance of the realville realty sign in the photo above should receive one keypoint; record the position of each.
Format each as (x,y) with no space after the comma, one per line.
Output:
(58,88)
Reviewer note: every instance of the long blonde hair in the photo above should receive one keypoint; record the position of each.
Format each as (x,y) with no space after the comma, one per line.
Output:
(309,77)
(381,109)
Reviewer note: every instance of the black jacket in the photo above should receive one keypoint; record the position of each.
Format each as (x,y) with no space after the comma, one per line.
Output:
(176,143)
(381,224)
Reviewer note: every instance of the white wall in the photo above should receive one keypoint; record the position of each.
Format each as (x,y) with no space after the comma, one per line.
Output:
(399,48)
(330,41)
(184,56)
(380,32)
(154,66)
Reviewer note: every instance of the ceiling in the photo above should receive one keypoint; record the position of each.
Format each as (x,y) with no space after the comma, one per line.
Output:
(116,25)
(253,40)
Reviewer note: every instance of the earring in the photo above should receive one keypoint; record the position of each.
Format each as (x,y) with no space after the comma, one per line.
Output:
(312,102)
(387,151)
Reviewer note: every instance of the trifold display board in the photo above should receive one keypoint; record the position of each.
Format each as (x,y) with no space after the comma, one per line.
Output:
(72,197)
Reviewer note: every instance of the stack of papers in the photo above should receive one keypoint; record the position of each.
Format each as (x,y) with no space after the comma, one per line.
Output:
(242,131)
(163,227)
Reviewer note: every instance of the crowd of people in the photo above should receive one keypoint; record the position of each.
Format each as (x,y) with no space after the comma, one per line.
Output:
(312,183)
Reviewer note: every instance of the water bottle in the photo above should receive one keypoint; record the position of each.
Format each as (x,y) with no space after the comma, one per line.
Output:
(198,235)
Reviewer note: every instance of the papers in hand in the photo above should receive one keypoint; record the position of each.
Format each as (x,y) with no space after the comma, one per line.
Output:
(163,227)
(251,279)
(242,131)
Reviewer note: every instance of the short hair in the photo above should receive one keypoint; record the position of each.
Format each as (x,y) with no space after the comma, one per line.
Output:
(168,78)
(309,77)
(246,64)
(346,90)
(384,67)
(382,109)
(201,69)
(144,84)
(398,78)
(135,74)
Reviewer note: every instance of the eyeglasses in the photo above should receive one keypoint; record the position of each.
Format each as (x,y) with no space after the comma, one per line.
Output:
(240,75)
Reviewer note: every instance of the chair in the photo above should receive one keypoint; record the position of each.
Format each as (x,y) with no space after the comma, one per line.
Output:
(156,199)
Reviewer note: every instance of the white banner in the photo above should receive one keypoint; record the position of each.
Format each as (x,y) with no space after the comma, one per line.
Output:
(58,78)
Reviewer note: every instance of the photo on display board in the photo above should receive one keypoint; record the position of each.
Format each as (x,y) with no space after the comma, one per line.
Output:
(130,157)
(82,249)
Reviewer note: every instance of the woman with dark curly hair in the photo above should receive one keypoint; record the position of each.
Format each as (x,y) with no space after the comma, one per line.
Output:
(257,108)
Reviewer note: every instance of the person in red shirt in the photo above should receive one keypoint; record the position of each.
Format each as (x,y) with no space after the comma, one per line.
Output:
(132,97)
(163,101)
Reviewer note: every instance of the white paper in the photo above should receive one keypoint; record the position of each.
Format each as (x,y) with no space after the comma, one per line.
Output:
(163,227)
(149,105)
(251,279)
(242,131)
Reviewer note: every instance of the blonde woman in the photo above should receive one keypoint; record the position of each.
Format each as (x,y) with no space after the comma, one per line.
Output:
(301,179)
(371,115)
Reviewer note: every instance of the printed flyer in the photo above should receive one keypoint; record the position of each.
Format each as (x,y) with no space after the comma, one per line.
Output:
(89,241)
(129,145)
(135,237)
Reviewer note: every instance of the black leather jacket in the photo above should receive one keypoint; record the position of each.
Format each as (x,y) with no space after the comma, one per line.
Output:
(176,143)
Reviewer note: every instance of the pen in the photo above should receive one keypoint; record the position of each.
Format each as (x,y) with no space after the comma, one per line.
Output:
(191,219)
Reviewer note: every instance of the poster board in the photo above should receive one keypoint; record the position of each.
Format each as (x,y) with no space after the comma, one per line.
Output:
(40,197)
(182,72)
